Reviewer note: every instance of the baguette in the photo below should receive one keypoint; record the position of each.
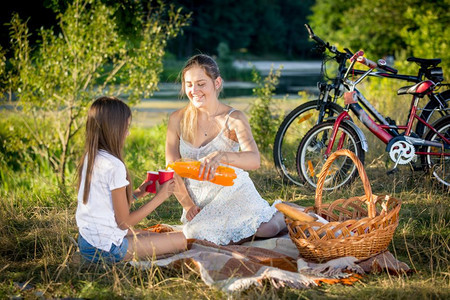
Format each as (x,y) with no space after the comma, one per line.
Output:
(295,212)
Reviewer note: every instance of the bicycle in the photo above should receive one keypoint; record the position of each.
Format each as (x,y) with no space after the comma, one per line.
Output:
(305,116)
(403,145)
(438,104)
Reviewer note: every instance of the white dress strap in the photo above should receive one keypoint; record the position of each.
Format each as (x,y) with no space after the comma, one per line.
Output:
(228,116)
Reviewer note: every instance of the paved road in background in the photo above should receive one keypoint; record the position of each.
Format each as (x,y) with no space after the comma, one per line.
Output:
(156,109)
(294,71)
(288,67)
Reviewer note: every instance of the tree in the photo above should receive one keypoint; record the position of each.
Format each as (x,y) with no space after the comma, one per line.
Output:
(85,58)
(385,27)
(2,71)
(294,15)
(327,18)
(258,27)
(427,35)
(214,21)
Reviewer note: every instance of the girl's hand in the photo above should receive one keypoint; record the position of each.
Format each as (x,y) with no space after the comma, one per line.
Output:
(166,189)
(209,164)
(192,212)
(141,190)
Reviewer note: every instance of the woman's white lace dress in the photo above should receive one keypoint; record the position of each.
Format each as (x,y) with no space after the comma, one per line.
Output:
(229,213)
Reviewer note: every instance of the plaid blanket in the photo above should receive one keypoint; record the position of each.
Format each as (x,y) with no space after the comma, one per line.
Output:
(238,267)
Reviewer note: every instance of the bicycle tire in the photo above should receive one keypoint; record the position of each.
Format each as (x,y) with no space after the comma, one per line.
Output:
(310,156)
(431,115)
(438,166)
(288,137)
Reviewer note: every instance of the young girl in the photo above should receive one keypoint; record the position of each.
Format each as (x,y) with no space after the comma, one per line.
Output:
(105,193)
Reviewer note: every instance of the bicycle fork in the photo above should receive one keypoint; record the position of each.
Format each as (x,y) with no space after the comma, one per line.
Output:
(341,117)
(345,117)
(325,91)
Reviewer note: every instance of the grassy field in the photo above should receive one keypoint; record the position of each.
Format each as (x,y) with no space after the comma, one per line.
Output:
(37,227)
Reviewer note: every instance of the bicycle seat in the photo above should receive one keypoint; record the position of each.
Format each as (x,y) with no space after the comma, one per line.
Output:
(419,89)
(425,61)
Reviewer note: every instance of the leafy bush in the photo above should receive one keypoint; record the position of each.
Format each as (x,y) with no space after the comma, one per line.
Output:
(20,150)
(145,150)
(262,120)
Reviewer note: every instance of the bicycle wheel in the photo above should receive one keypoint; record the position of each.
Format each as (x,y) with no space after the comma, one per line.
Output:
(431,113)
(438,165)
(291,131)
(310,155)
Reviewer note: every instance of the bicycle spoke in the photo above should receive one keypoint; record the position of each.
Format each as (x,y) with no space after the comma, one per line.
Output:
(290,133)
(437,160)
(311,156)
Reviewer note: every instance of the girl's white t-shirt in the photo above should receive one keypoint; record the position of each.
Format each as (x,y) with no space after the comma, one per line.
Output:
(96,219)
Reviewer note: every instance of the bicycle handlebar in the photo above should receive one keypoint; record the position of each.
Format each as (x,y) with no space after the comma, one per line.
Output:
(366,62)
(327,45)
(357,55)
(381,64)
(315,37)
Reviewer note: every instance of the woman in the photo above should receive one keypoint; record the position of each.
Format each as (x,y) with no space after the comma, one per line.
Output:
(215,133)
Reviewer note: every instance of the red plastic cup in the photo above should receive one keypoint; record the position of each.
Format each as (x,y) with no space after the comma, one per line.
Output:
(153,176)
(165,175)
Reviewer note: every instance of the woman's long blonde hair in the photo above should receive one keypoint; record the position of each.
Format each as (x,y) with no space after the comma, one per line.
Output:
(106,127)
(188,123)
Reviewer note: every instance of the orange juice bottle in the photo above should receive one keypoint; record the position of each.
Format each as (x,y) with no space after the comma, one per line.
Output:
(191,169)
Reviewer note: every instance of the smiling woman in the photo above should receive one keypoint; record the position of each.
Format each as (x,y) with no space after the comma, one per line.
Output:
(216,134)
(202,92)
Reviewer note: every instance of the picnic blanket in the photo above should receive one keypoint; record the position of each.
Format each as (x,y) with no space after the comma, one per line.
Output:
(276,260)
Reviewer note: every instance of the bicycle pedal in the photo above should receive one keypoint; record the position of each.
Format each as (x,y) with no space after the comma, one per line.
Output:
(393,171)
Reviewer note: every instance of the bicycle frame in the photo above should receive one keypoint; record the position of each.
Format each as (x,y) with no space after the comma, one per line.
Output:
(341,57)
(411,78)
(383,131)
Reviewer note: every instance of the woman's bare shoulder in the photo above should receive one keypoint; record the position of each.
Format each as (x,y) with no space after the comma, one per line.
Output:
(237,120)
(177,115)
(238,115)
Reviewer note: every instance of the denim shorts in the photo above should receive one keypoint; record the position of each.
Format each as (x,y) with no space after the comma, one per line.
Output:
(93,254)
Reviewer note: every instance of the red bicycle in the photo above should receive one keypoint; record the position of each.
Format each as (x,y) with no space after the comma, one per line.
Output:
(328,104)
(403,145)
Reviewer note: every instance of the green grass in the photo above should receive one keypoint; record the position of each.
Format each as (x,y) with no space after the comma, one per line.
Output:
(37,225)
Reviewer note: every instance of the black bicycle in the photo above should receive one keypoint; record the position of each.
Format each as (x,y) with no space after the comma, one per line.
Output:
(402,144)
(299,121)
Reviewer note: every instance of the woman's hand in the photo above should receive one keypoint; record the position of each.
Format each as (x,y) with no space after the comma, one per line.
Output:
(209,164)
(192,212)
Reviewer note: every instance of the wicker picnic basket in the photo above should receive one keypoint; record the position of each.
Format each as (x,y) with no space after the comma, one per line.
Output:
(359,226)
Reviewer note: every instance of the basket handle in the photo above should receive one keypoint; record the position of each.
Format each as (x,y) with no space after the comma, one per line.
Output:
(362,174)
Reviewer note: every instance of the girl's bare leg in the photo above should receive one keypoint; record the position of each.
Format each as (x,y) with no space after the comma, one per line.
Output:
(273,227)
(146,245)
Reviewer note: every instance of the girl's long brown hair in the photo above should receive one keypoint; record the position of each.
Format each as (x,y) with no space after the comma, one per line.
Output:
(106,126)
(189,121)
